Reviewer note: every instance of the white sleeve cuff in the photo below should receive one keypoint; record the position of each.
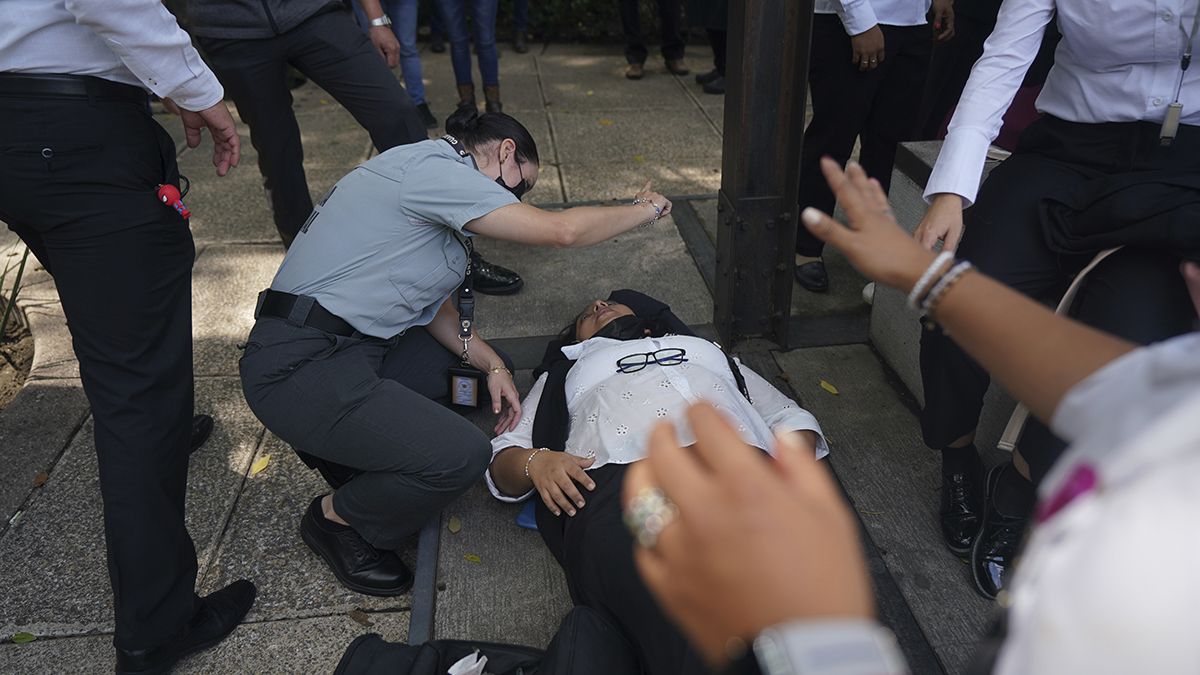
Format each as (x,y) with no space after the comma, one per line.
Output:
(487,476)
(199,93)
(858,16)
(829,647)
(959,165)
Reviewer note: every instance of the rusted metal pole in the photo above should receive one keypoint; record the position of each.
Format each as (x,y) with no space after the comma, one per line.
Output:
(766,74)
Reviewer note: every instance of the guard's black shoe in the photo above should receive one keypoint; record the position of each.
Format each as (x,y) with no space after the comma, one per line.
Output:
(519,44)
(995,547)
(705,78)
(716,87)
(356,564)
(812,276)
(961,505)
(427,117)
(220,612)
(492,279)
(437,44)
(202,426)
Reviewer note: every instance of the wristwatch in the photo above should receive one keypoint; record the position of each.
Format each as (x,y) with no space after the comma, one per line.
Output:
(384,20)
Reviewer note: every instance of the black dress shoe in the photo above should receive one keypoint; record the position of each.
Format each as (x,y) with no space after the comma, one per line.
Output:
(995,547)
(705,78)
(202,426)
(492,279)
(812,276)
(220,612)
(356,564)
(716,86)
(519,44)
(961,506)
(427,117)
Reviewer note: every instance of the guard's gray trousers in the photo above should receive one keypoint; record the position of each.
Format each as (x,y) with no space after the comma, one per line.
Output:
(371,405)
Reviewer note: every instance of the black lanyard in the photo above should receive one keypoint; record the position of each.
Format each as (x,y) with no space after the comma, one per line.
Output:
(1170,125)
(465,296)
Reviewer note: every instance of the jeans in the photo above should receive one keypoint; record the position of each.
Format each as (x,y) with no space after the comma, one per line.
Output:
(403,14)
(454,15)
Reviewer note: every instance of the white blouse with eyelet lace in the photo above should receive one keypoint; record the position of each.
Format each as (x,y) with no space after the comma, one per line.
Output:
(612,413)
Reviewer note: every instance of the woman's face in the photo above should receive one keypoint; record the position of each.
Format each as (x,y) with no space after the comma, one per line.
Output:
(597,316)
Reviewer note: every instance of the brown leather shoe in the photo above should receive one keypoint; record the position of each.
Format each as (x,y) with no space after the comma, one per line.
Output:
(677,67)
(635,71)
(466,95)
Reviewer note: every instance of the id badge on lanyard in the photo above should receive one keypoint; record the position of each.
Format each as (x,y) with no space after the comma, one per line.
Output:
(466,381)
(1170,125)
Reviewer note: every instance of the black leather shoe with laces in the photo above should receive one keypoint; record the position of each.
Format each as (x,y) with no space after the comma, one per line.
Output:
(218,614)
(356,564)
(492,279)
(961,505)
(812,276)
(995,547)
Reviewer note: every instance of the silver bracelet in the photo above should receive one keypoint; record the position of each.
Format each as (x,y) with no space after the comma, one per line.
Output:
(918,291)
(657,209)
(943,285)
(530,459)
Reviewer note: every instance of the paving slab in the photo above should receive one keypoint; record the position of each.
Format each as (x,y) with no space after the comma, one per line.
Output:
(263,544)
(53,354)
(52,559)
(606,136)
(892,480)
(225,285)
(34,429)
(601,85)
(621,180)
(560,282)
(296,646)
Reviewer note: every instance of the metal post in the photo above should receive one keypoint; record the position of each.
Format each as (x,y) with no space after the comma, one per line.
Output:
(764,121)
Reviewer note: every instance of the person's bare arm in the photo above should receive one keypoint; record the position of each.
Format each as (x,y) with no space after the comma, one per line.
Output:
(381,37)
(444,329)
(575,227)
(1036,355)
(553,474)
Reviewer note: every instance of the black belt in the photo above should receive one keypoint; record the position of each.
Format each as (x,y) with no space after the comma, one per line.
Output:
(69,86)
(280,306)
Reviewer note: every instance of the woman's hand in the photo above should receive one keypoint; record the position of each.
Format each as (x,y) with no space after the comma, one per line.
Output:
(943,20)
(501,387)
(942,221)
(647,194)
(874,243)
(755,542)
(867,48)
(554,475)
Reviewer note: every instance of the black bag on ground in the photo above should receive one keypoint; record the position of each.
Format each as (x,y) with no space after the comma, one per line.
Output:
(586,644)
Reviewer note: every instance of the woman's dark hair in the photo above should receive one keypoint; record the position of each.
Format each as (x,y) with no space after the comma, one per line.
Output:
(475,131)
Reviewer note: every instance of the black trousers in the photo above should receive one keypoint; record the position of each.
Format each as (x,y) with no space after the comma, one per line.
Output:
(719,39)
(876,106)
(374,407)
(77,183)
(333,52)
(595,550)
(669,18)
(1135,294)
(949,68)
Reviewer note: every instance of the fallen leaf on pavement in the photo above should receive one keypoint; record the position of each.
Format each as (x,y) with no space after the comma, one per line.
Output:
(23,638)
(606,122)
(455,525)
(640,159)
(260,465)
(40,479)
(829,387)
(360,617)
(471,557)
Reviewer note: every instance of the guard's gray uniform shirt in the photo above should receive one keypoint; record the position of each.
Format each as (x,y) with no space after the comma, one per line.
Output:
(383,249)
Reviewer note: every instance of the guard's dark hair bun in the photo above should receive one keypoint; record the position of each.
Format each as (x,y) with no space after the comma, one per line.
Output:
(475,131)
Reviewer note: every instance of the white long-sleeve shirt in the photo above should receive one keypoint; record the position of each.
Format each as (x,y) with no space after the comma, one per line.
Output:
(134,42)
(612,413)
(861,15)
(1118,61)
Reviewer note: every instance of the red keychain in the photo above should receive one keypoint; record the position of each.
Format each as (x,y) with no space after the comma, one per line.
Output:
(169,195)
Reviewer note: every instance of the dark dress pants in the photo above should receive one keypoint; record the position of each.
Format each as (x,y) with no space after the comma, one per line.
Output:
(669,18)
(878,107)
(331,51)
(374,407)
(77,183)
(595,550)
(1136,294)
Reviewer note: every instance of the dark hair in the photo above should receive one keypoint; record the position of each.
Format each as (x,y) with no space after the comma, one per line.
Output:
(475,131)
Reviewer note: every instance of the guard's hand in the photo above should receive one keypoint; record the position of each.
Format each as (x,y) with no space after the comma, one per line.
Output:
(942,222)
(226,144)
(386,44)
(867,48)
(501,387)
(554,475)
(943,20)
(647,193)
(756,542)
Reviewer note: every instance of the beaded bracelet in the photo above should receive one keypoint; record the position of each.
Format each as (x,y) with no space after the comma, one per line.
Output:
(943,285)
(918,291)
(530,459)
(657,209)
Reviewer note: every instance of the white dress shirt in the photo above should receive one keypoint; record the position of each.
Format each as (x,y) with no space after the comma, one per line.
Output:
(1118,61)
(859,16)
(134,42)
(612,413)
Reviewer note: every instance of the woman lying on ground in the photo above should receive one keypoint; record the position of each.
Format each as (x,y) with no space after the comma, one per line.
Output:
(625,364)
